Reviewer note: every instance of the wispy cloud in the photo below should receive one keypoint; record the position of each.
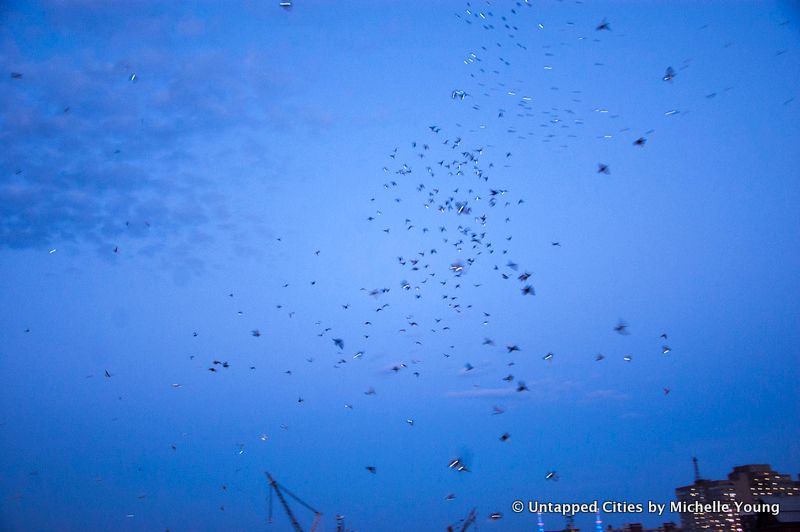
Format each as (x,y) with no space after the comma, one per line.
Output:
(603,395)
(540,390)
(483,392)
(106,140)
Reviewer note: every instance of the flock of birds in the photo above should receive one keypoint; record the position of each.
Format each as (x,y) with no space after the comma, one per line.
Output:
(446,185)
(461,219)
(456,209)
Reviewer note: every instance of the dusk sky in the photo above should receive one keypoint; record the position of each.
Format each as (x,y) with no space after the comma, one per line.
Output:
(351,212)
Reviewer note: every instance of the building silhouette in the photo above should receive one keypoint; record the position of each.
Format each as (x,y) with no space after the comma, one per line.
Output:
(754,481)
(736,503)
(787,520)
(668,526)
(720,495)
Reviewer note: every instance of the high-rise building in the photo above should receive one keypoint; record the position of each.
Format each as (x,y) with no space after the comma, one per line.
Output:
(759,480)
(724,505)
(708,505)
(668,526)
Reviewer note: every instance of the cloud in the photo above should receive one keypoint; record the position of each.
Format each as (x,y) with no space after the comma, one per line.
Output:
(108,139)
(602,395)
(539,390)
(484,392)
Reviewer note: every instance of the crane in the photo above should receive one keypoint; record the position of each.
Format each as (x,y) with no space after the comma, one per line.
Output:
(279,491)
(465,522)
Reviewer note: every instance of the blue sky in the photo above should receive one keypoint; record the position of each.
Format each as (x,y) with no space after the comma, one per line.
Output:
(173,169)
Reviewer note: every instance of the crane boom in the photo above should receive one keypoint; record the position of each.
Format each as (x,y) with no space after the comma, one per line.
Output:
(464,522)
(470,519)
(274,485)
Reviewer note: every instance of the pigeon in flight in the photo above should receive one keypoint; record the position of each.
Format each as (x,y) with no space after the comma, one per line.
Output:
(458,465)
(528,290)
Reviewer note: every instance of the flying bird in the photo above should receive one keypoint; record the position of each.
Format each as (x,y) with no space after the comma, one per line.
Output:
(458,465)
(528,290)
